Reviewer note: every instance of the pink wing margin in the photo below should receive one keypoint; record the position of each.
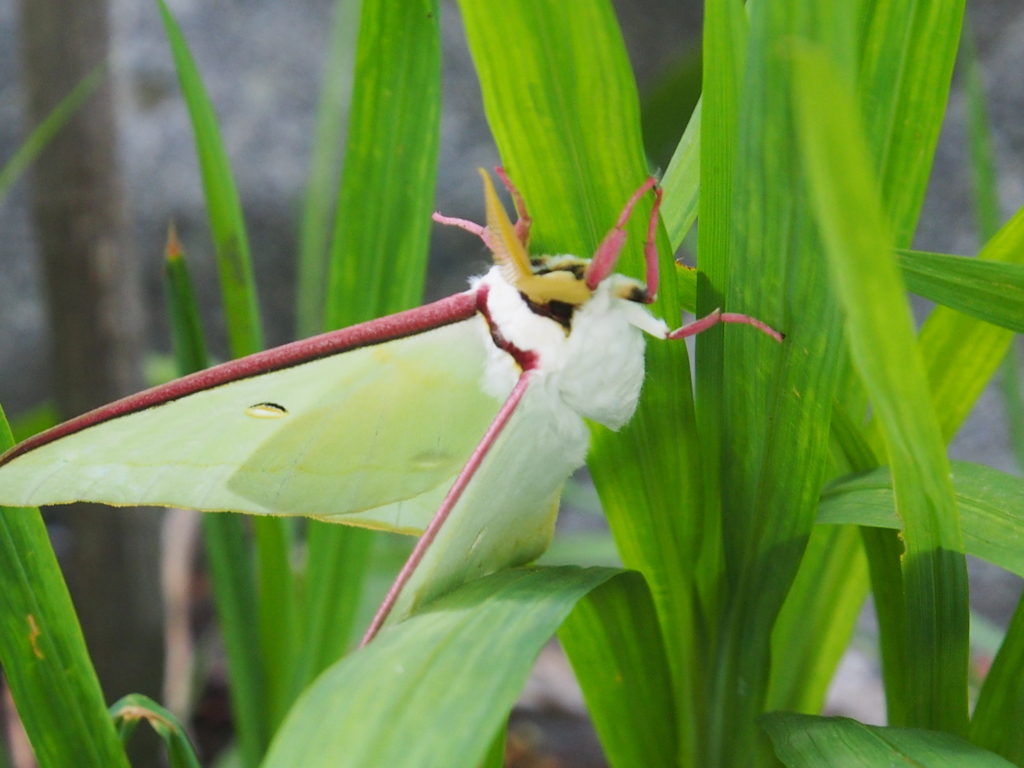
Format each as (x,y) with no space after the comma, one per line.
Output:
(454,309)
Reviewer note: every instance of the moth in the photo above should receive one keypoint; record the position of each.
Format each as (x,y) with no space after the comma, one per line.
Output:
(459,421)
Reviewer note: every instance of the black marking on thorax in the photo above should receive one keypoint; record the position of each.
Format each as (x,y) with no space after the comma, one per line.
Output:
(559,311)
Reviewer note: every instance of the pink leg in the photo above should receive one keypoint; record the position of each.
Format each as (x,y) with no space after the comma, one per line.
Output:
(469,226)
(651,249)
(447,505)
(523,220)
(608,251)
(718,316)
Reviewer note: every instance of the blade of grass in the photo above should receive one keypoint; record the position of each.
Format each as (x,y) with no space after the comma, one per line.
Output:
(984,188)
(275,581)
(566,121)
(46,130)
(47,665)
(231,244)
(614,643)
(962,353)
(989,503)
(382,222)
(229,560)
(1000,709)
(724,49)
(1001,699)
(129,711)
(881,340)
(817,620)
(906,68)
(988,290)
(378,256)
(324,167)
(434,689)
(681,183)
(777,398)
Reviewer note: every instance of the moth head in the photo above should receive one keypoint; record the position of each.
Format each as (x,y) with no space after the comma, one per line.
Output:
(546,281)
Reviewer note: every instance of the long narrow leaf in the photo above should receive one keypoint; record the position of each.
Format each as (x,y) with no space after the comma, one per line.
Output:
(324,166)
(988,290)
(614,642)
(241,308)
(42,650)
(989,503)
(382,223)
(434,689)
(682,183)
(43,133)
(838,742)
(845,197)
(229,560)
(1001,700)
(1000,709)
(724,50)
(817,620)
(777,398)
(378,256)
(907,64)
(227,226)
(961,352)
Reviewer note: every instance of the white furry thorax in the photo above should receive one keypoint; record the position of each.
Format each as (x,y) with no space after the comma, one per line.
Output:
(596,369)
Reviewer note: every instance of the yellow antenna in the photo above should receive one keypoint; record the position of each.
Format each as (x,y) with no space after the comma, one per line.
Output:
(509,253)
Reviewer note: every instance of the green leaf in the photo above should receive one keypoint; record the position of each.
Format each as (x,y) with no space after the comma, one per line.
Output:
(495,757)
(681,184)
(43,653)
(43,133)
(129,711)
(989,501)
(276,604)
(187,336)
(845,197)
(614,642)
(988,290)
(802,741)
(382,223)
(777,398)
(378,257)
(961,352)
(1000,709)
(434,689)
(979,131)
(224,536)
(563,108)
(817,620)
(724,50)
(337,558)
(324,165)
(907,62)
(1014,401)
(223,208)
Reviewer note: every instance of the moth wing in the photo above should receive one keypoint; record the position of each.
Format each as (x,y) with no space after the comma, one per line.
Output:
(506,516)
(374,431)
